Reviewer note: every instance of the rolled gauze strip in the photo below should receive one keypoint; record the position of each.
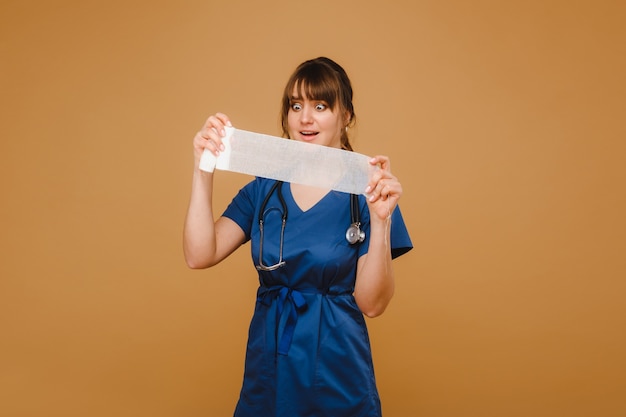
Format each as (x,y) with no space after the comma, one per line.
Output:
(290,161)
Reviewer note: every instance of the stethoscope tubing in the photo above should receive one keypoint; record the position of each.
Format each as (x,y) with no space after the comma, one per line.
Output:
(354,234)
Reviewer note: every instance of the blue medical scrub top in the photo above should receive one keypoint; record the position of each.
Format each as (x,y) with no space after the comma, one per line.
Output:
(308,352)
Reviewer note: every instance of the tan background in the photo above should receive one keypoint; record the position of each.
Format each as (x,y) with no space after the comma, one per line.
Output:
(503,119)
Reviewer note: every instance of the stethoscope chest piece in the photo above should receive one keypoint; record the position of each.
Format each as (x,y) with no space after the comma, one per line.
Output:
(354,234)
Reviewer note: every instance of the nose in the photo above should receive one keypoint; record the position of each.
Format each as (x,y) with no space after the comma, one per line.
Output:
(306,114)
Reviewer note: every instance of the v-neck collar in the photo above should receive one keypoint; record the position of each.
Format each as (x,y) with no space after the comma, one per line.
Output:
(295,203)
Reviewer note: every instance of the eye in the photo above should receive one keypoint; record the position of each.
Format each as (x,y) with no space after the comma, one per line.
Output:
(320,107)
(296,106)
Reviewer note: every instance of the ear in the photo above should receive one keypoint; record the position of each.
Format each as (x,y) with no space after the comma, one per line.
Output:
(347,118)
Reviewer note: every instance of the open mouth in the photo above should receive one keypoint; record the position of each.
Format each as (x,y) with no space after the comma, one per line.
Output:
(307,134)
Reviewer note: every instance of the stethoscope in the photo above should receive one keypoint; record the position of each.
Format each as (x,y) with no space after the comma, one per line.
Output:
(354,234)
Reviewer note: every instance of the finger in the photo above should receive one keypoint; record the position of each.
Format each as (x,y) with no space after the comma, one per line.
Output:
(376,178)
(217,122)
(377,189)
(201,143)
(385,188)
(224,119)
(382,161)
(214,129)
(384,171)
(213,146)
(208,139)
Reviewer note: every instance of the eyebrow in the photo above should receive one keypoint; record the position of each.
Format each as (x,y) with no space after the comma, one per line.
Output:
(299,98)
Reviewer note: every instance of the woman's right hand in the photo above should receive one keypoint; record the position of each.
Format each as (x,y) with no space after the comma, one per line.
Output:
(207,241)
(210,136)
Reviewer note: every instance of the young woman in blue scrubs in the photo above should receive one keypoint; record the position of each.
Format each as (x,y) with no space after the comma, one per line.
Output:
(308,350)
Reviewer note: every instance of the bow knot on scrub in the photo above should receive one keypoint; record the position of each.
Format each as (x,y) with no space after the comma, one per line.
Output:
(290,301)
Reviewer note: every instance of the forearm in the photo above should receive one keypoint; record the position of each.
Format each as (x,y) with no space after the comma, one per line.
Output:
(199,243)
(374,286)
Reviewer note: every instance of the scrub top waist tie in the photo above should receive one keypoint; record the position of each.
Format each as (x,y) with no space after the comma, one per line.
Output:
(284,296)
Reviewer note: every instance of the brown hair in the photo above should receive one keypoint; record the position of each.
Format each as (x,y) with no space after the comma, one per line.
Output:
(321,79)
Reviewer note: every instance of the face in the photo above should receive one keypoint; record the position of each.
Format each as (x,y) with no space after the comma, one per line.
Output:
(314,122)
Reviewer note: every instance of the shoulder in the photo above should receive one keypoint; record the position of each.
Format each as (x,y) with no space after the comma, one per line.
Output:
(254,188)
(244,205)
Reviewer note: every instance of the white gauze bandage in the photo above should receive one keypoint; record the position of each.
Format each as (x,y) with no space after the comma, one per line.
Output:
(290,161)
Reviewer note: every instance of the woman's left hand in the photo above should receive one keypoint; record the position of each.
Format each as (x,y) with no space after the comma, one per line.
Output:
(383,190)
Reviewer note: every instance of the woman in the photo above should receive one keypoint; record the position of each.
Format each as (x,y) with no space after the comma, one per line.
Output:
(308,350)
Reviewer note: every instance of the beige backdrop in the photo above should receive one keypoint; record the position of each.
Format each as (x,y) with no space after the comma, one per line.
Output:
(504,120)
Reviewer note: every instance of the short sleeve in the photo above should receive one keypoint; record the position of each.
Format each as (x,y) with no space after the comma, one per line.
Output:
(400,239)
(241,209)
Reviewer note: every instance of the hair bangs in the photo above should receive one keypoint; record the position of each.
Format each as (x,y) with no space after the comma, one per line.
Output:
(317,84)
